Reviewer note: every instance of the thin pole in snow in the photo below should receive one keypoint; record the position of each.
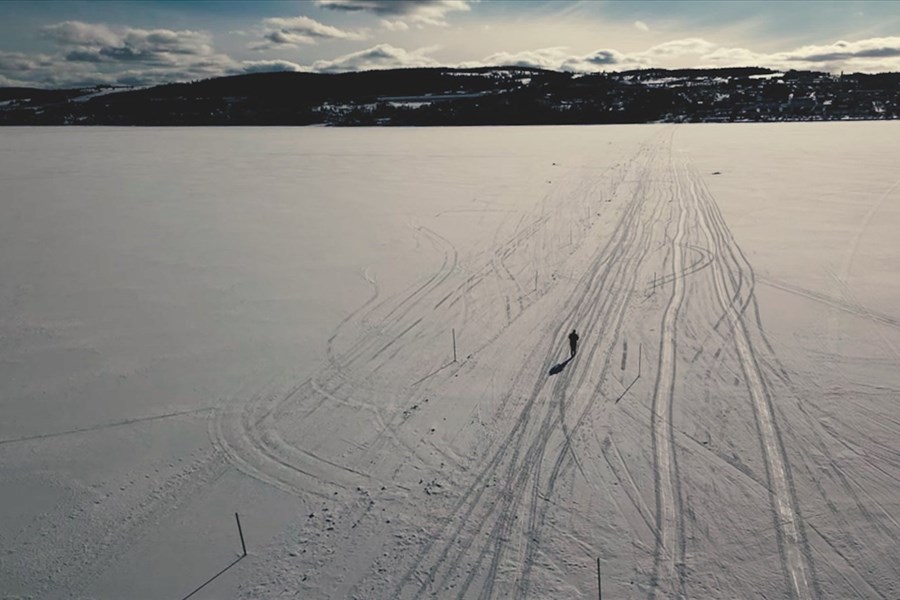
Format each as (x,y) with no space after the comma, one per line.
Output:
(636,377)
(599,585)
(640,347)
(241,533)
(234,562)
(453,331)
(535,281)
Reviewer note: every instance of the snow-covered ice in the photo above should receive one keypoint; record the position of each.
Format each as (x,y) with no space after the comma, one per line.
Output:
(198,322)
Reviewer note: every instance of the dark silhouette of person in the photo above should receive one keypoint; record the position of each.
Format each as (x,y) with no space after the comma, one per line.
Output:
(573,342)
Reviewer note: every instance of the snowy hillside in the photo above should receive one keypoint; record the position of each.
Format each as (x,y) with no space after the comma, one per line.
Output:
(482,96)
(195,323)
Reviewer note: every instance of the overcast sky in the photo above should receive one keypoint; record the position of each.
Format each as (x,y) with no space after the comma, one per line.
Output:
(74,43)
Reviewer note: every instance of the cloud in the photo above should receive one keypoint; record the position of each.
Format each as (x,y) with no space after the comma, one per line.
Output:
(96,53)
(97,43)
(605,57)
(296,31)
(872,55)
(727,57)
(869,56)
(16,61)
(640,25)
(382,56)
(93,53)
(268,66)
(76,33)
(128,43)
(887,47)
(560,59)
(420,12)
(673,54)
(7,82)
(17,69)
(394,25)
(679,48)
(542,58)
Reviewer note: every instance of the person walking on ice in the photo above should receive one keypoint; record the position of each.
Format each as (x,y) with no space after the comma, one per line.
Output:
(573,342)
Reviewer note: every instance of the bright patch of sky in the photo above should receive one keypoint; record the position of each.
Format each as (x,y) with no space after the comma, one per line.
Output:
(75,43)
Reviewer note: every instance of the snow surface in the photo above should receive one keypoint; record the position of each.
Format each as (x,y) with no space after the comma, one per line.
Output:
(198,322)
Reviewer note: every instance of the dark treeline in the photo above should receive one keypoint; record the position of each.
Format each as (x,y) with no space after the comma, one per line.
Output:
(484,96)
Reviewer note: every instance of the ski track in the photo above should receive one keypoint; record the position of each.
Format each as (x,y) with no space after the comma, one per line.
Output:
(500,511)
(669,553)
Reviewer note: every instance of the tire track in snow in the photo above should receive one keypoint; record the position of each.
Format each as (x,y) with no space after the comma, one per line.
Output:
(795,552)
(669,552)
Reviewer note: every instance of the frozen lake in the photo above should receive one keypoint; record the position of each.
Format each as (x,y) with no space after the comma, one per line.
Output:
(198,322)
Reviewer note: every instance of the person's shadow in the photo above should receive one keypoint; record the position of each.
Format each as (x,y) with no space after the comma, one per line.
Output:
(559,367)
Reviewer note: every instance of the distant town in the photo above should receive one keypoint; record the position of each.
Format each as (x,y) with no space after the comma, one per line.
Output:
(483,96)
